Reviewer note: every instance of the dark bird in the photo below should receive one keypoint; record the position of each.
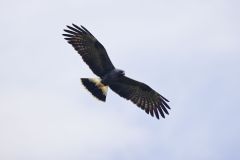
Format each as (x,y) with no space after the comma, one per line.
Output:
(96,57)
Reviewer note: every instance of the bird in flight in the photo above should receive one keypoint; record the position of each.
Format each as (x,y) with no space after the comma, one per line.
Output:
(96,57)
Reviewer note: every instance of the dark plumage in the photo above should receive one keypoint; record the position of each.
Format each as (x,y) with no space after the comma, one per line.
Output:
(96,57)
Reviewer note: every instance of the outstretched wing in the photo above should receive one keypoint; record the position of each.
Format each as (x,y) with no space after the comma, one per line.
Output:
(92,51)
(142,95)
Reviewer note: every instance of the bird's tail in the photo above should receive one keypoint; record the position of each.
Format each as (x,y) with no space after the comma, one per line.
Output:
(94,85)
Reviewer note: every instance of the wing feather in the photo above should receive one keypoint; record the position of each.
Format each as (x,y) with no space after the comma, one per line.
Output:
(142,95)
(164,108)
(156,112)
(160,109)
(147,110)
(151,111)
(91,50)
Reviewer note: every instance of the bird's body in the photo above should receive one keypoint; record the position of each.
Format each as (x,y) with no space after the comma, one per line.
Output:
(96,57)
(112,76)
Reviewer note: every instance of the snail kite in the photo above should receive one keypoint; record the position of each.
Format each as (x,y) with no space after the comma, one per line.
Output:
(96,57)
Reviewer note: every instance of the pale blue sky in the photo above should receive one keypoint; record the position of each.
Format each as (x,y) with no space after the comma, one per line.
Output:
(186,50)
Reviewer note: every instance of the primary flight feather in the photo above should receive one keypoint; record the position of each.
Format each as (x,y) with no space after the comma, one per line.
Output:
(96,57)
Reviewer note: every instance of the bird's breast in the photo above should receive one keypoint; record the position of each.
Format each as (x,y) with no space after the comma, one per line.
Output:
(112,76)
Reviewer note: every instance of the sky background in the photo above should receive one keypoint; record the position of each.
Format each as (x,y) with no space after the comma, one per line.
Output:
(187,50)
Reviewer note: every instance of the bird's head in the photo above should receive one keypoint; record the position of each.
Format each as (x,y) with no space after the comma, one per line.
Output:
(120,72)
